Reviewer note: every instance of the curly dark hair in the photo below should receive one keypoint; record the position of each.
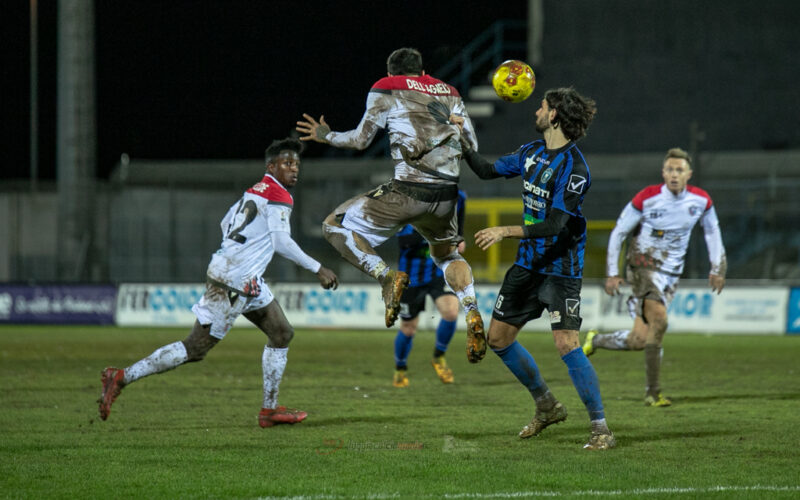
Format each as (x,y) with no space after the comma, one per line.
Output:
(279,145)
(405,61)
(574,112)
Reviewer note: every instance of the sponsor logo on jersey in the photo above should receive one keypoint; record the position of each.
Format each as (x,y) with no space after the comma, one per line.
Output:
(576,184)
(657,233)
(534,204)
(529,161)
(655,214)
(555,316)
(535,190)
(261,187)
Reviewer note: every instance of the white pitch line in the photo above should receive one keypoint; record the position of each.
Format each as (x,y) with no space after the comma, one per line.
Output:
(549,494)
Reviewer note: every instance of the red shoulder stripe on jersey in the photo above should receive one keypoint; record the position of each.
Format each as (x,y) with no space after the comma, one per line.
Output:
(648,192)
(272,191)
(700,192)
(425,84)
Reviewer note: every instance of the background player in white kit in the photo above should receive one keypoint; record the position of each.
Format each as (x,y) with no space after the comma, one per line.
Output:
(416,110)
(661,218)
(253,230)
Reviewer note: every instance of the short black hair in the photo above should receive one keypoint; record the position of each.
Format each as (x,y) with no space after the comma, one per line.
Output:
(405,61)
(574,112)
(279,145)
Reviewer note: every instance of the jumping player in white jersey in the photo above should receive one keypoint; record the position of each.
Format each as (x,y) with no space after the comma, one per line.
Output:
(253,230)
(661,218)
(416,109)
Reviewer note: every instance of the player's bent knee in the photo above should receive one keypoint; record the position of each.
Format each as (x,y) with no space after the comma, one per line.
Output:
(443,262)
(281,337)
(198,343)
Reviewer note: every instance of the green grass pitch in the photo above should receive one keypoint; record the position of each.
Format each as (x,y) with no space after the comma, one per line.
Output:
(732,431)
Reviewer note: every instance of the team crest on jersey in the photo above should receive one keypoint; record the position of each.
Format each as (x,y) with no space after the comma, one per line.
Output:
(694,210)
(546,175)
(576,184)
(260,187)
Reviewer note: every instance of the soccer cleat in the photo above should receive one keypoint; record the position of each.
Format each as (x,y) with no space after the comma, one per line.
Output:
(392,289)
(113,382)
(558,413)
(268,417)
(400,378)
(657,400)
(588,348)
(476,339)
(442,370)
(600,441)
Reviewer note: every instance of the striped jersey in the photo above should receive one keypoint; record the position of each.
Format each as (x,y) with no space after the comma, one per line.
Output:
(247,244)
(551,179)
(662,223)
(415,258)
(416,112)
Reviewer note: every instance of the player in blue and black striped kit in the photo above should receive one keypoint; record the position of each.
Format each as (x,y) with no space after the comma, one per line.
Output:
(425,278)
(548,270)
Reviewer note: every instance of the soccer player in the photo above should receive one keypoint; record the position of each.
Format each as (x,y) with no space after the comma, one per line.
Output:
(425,279)
(425,148)
(253,230)
(549,266)
(661,218)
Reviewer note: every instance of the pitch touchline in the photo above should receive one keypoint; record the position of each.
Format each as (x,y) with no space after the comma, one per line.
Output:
(524,494)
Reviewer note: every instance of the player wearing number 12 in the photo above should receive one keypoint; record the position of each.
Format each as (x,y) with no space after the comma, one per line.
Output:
(253,230)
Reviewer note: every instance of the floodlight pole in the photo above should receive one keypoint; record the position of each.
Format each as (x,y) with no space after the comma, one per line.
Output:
(34,100)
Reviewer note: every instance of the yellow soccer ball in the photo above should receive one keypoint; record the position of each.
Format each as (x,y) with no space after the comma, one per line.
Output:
(513,80)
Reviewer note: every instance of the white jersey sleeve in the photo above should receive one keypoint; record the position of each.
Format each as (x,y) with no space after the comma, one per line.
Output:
(373,120)
(288,248)
(713,237)
(626,222)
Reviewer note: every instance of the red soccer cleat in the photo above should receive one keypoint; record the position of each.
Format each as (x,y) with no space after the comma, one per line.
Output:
(268,417)
(113,382)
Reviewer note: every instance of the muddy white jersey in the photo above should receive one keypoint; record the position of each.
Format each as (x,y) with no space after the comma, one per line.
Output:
(662,224)
(250,230)
(416,111)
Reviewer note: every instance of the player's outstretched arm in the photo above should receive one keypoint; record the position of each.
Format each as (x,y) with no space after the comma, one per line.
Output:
(327,278)
(314,130)
(612,284)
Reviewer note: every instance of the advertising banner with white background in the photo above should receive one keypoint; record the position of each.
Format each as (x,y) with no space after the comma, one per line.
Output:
(745,310)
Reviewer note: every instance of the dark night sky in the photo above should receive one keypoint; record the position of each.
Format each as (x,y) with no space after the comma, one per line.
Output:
(220,79)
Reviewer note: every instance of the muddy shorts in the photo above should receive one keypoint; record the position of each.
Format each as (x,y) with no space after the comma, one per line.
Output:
(220,307)
(525,294)
(378,214)
(649,284)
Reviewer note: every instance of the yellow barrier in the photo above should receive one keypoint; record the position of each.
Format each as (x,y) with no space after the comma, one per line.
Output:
(491,265)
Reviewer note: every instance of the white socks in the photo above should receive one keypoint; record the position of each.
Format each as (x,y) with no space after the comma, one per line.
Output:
(163,359)
(273,362)
(467,297)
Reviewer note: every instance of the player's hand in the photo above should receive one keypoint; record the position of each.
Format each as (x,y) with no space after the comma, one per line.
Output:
(489,236)
(315,131)
(461,247)
(717,283)
(458,121)
(612,285)
(327,278)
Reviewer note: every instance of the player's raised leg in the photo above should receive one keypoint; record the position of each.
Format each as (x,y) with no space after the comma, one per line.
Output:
(356,246)
(168,357)
(458,276)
